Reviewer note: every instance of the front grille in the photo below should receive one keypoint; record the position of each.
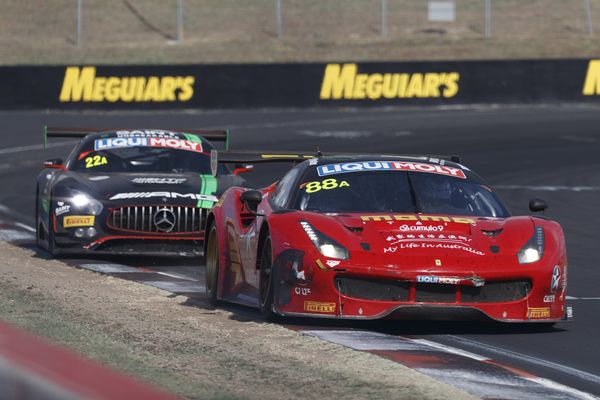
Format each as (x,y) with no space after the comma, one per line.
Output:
(373,289)
(390,290)
(172,219)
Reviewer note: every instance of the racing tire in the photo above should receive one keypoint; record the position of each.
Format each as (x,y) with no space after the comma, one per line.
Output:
(50,237)
(38,225)
(212,265)
(265,291)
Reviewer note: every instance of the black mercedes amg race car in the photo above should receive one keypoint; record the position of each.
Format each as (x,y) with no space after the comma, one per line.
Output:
(143,191)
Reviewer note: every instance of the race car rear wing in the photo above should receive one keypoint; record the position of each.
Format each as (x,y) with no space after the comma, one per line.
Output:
(253,157)
(215,135)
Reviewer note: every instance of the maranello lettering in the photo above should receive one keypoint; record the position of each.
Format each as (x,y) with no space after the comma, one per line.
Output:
(591,86)
(344,82)
(82,84)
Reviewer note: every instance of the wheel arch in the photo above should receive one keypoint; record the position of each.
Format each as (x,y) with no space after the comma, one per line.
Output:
(262,236)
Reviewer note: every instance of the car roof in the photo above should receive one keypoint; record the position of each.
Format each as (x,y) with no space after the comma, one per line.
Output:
(350,158)
(135,133)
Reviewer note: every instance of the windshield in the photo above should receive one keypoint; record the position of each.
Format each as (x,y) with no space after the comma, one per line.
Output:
(396,192)
(141,159)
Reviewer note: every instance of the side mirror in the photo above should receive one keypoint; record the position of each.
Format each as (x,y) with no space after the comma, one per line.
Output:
(252,199)
(537,205)
(241,168)
(55,163)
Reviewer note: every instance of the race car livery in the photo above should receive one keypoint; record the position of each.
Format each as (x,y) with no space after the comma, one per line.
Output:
(400,237)
(143,191)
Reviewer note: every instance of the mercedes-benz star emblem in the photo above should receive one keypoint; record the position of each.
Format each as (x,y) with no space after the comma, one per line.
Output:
(164,220)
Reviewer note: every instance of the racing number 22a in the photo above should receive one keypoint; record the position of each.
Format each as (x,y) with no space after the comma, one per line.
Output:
(95,161)
(326,184)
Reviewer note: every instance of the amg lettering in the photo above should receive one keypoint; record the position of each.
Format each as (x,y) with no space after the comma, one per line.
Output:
(169,195)
(344,82)
(82,84)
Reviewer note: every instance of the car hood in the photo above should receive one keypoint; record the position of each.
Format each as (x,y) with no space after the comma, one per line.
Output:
(146,188)
(435,242)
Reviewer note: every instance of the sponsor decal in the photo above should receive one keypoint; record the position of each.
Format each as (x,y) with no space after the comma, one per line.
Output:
(83,85)
(555,282)
(315,306)
(391,249)
(78,220)
(438,263)
(302,291)
(343,168)
(441,246)
(171,143)
(538,312)
(165,181)
(159,133)
(62,208)
(169,195)
(342,81)
(404,217)
(591,85)
(421,228)
(332,263)
(451,280)
(444,280)
(430,237)
(550,298)
(321,265)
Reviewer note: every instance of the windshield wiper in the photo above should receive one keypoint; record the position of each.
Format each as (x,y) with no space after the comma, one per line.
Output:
(413,194)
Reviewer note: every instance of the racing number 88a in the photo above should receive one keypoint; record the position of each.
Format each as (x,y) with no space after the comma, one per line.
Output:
(327,184)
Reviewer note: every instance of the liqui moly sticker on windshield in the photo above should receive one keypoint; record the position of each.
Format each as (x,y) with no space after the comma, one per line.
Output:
(171,143)
(342,168)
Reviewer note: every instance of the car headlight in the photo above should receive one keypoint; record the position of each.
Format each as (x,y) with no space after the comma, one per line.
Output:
(87,204)
(533,249)
(326,245)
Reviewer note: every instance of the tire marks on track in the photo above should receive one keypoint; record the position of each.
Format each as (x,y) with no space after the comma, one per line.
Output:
(475,374)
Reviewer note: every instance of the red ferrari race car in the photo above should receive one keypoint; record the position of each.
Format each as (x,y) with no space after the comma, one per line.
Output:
(366,237)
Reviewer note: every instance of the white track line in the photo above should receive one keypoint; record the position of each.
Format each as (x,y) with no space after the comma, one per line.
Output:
(13,213)
(562,388)
(450,349)
(19,149)
(586,376)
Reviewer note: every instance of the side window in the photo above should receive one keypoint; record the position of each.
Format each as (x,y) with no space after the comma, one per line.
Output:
(284,187)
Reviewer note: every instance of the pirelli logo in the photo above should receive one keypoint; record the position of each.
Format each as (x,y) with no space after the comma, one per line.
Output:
(538,312)
(343,81)
(315,306)
(83,85)
(78,220)
(402,217)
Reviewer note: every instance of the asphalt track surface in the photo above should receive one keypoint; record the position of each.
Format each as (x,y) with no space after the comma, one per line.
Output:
(549,152)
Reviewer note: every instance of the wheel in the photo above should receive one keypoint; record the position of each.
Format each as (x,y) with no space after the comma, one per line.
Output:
(50,237)
(39,233)
(212,265)
(266,280)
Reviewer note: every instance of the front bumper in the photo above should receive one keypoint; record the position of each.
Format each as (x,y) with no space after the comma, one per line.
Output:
(307,286)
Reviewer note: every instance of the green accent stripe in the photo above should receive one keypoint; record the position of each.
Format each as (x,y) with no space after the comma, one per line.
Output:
(208,187)
(192,138)
(226,139)
(45,136)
